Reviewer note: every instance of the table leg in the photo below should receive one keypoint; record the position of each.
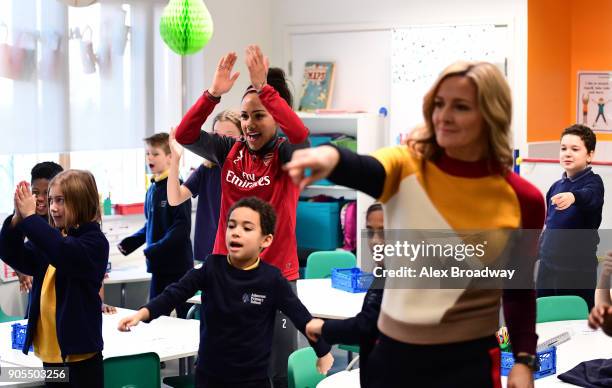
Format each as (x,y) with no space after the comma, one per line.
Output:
(181,366)
(190,361)
(122,295)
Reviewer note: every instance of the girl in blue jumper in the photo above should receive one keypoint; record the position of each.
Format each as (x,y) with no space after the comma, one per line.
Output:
(67,259)
(568,246)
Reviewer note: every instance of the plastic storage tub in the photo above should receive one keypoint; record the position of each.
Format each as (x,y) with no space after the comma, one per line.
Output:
(318,225)
(351,279)
(131,208)
(18,335)
(548,363)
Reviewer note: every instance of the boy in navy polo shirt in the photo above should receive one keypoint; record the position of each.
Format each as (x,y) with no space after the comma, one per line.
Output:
(167,228)
(568,246)
(242,296)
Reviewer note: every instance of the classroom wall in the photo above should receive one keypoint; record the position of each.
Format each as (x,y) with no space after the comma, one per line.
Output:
(357,14)
(237,23)
(564,36)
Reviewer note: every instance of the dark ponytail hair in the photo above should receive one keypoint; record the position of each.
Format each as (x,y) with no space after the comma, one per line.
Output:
(277,79)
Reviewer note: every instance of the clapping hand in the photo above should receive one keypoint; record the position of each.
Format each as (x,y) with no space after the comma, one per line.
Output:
(25,202)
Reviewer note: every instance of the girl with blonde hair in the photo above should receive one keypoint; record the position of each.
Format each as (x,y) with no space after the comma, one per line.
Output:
(67,259)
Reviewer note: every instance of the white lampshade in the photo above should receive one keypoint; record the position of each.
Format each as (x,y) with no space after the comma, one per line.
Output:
(78,3)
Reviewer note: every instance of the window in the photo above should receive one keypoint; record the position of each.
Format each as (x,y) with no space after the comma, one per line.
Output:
(58,104)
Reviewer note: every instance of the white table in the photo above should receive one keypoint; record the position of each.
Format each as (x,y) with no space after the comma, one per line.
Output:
(584,345)
(344,379)
(323,301)
(127,274)
(170,338)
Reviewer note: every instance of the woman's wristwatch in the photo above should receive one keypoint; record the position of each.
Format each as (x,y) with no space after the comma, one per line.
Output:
(530,360)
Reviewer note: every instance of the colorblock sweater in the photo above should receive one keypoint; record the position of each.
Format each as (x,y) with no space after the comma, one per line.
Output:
(448,194)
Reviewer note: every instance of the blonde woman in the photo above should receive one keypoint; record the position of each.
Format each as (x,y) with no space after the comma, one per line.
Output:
(455,175)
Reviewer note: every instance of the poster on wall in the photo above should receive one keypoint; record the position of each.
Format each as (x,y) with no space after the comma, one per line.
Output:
(594,100)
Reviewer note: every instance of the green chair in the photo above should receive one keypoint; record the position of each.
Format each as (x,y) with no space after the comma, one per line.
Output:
(560,308)
(302,369)
(133,371)
(187,381)
(319,264)
(8,318)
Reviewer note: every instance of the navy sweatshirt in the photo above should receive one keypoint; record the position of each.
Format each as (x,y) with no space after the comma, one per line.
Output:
(166,231)
(238,315)
(80,260)
(570,239)
(361,329)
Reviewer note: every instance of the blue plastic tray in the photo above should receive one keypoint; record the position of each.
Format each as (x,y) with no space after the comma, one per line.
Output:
(548,363)
(351,279)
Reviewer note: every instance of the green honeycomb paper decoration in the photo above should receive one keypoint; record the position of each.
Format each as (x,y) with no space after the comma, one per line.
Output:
(186,26)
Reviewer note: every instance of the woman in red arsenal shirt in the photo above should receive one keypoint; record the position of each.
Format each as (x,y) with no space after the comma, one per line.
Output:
(252,166)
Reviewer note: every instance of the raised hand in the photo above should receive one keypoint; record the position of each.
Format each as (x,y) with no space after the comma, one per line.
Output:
(258,65)
(176,150)
(223,80)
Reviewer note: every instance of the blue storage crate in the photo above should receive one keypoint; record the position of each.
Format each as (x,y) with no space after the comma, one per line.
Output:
(548,363)
(318,225)
(317,140)
(18,335)
(351,279)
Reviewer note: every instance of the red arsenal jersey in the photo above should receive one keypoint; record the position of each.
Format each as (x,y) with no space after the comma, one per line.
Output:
(253,173)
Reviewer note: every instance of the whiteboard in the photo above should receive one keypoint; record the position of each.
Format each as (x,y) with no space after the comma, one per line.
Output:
(363,66)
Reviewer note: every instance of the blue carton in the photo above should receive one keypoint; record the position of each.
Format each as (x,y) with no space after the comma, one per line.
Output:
(18,335)
(351,279)
(548,363)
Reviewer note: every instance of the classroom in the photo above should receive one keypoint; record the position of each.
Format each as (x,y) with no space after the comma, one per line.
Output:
(285,193)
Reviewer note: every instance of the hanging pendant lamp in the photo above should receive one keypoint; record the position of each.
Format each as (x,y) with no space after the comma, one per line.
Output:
(186,26)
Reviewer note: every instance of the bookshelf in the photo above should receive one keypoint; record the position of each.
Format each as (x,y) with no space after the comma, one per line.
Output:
(370,130)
